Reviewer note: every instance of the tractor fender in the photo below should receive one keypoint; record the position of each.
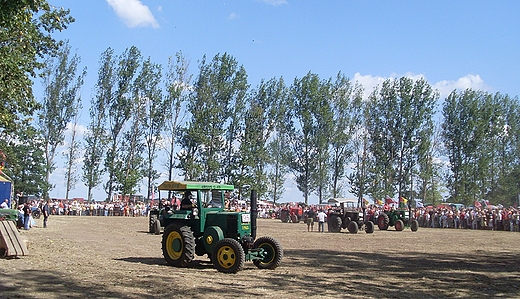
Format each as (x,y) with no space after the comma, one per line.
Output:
(211,236)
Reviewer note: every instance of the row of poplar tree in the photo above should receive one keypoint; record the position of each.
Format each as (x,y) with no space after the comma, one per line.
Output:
(402,140)
(219,128)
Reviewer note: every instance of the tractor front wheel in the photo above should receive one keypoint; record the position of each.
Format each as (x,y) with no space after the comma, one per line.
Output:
(369,227)
(353,227)
(157,227)
(178,245)
(414,225)
(151,223)
(228,256)
(273,253)
(399,225)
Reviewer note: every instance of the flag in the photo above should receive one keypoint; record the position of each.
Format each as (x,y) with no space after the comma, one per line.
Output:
(379,202)
(478,204)
(365,201)
(403,200)
(389,200)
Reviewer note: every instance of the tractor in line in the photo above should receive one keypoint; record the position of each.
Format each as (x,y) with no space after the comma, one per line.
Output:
(350,215)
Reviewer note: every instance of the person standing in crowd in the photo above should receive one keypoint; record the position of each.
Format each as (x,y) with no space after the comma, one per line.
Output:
(310,219)
(5,204)
(45,212)
(26,215)
(321,221)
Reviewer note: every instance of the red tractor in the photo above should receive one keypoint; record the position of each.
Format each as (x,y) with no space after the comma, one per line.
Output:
(293,213)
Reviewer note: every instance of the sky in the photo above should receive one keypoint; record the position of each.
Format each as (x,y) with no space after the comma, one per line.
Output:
(452,44)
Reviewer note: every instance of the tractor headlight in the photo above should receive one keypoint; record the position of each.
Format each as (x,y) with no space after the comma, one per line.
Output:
(195,212)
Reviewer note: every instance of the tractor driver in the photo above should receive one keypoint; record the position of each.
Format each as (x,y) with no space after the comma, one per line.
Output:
(186,203)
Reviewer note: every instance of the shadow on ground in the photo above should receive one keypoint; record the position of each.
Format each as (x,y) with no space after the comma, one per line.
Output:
(347,275)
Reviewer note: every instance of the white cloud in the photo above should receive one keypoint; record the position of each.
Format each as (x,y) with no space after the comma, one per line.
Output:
(133,13)
(445,87)
(368,82)
(80,130)
(232,16)
(274,2)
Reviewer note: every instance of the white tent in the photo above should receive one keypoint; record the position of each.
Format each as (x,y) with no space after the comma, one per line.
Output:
(337,201)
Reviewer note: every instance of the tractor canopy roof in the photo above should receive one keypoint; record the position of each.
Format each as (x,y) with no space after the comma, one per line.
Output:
(190,185)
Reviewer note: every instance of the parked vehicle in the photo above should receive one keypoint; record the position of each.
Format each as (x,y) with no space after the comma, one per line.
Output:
(398,218)
(350,215)
(293,213)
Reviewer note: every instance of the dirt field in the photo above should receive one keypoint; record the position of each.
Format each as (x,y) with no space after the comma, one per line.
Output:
(115,257)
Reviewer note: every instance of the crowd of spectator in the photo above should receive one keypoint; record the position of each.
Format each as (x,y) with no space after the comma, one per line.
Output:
(81,208)
(486,217)
(479,218)
(491,218)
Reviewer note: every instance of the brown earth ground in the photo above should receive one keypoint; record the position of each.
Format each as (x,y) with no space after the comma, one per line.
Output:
(115,257)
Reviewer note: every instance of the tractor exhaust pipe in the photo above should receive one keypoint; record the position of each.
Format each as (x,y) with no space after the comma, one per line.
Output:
(254,213)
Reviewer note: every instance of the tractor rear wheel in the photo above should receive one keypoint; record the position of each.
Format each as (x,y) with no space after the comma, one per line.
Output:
(294,218)
(346,222)
(382,221)
(353,227)
(284,216)
(399,225)
(414,225)
(228,256)
(178,245)
(273,253)
(369,227)
(334,224)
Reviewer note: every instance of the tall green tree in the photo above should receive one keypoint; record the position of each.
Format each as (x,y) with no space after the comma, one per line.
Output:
(399,123)
(155,107)
(72,154)
(26,36)
(60,104)
(129,165)
(95,141)
(506,185)
(346,102)
(262,117)
(304,135)
(463,132)
(116,90)
(430,184)
(321,178)
(480,144)
(218,91)
(178,82)
(25,164)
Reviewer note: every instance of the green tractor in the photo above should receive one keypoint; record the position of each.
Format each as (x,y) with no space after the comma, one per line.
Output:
(202,226)
(9,214)
(399,219)
(349,215)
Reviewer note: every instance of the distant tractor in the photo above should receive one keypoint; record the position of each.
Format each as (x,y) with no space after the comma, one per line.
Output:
(349,215)
(399,219)
(292,214)
(203,226)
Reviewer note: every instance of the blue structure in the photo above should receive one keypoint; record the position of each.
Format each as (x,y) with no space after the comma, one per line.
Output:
(5,189)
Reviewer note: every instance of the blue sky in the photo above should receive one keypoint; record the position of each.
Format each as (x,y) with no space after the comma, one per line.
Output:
(453,44)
